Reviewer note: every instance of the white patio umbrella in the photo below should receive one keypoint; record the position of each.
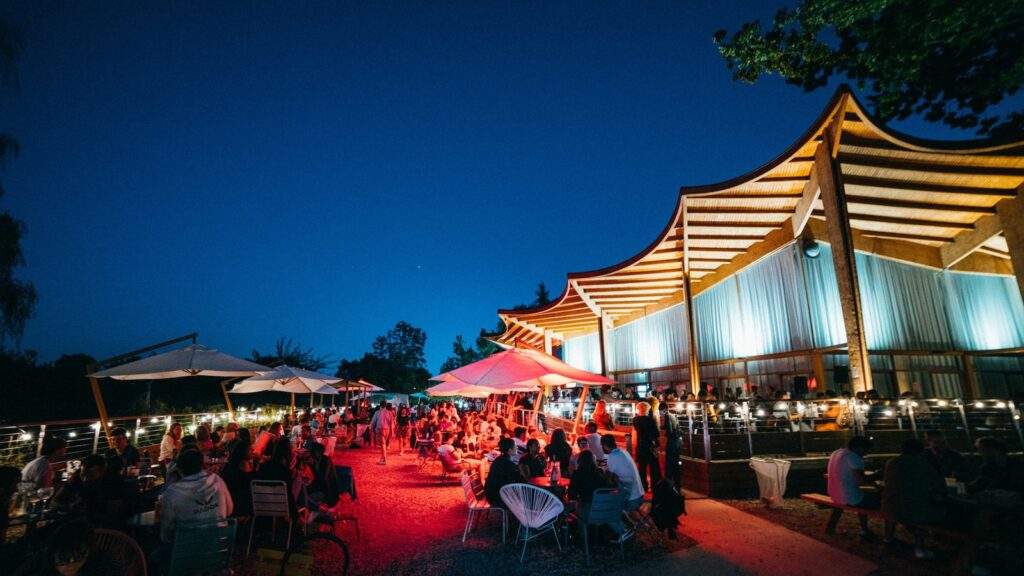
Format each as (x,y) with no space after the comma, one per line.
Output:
(288,379)
(192,360)
(456,388)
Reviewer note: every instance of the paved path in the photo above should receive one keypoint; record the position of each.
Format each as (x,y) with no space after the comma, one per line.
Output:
(730,541)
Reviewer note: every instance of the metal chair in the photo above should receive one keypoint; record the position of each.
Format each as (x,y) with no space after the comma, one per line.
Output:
(202,548)
(475,505)
(122,550)
(535,508)
(605,508)
(270,500)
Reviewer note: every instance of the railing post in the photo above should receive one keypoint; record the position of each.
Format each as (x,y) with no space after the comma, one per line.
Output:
(967,426)
(913,421)
(96,437)
(800,426)
(135,433)
(39,445)
(750,437)
(1015,417)
(707,432)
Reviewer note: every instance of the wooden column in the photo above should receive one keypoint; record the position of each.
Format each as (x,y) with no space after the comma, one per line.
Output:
(101,407)
(227,399)
(971,389)
(818,366)
(579,409)
(1011,215)
(691,331)
(548,343)
(693,360)
(833,197)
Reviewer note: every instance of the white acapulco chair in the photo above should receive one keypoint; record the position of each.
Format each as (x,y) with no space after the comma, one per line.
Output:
(535,508)
(479,506)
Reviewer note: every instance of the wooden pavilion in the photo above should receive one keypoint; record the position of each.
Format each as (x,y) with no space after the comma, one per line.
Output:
(847,183)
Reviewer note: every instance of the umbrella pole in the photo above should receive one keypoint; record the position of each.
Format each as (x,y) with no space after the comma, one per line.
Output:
(348,394)
(332,400)
(293,404)
(311,400)
(579,409)
(537,402)
(227,399)
(101,407)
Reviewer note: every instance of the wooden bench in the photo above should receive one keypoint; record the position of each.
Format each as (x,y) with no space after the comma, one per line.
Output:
(837,511)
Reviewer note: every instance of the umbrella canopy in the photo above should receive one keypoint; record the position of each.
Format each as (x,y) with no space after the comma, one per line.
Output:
(288,379)
(456,388)
(193,360)
(521,370)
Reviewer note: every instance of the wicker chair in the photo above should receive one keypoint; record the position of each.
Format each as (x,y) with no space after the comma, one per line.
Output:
(535,508)
(478,506)
(123,552)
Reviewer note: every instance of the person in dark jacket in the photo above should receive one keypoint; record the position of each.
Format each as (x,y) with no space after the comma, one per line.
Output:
(646,445)
(587,478)
(278,468)
(503,472)
(673,445)
(237,474)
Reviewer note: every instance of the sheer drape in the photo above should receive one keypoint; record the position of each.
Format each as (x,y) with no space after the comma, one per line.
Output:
(985,312)
(718,322)
(658,339)
(583,352)
(823,293)
(903,305)
(773,306)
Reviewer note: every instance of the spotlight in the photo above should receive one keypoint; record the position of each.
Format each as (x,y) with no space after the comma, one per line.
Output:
(810,247)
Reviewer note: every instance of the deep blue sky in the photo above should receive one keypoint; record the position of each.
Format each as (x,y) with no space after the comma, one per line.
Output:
(320,173)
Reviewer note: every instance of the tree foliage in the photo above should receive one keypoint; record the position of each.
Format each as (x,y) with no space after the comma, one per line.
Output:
(396,362)
(17,298)
(290,353)
(950,61)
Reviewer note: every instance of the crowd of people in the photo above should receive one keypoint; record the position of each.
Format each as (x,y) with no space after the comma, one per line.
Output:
(929,484)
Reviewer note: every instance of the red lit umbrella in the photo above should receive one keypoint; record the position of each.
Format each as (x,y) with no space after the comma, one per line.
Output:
(521,370)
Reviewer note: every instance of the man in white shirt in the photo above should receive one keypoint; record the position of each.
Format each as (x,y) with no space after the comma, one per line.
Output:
(383,426)
(519,437)
(845,477)
(40,471)
(621,464)
(199,497)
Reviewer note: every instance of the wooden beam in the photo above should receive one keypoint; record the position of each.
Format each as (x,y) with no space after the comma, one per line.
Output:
(691,329)
(736,210)
(537,330)
(1011,212)
(902,204)
(897,186)
(841,238)
(970,240)
(771,242)
(806,205)
(901,221)
(586,298)
(903,236)
(870,161)
(735,237)
(731,224)
(101,407)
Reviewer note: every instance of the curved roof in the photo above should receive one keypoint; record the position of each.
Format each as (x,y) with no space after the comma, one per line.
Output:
(906,198)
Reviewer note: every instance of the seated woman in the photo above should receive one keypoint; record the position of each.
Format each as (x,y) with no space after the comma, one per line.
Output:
(585,479)
(912,495)
(279,468)
(582,445)
(559,450)
(531,464)
(323,488)
(237,475)
(450,456)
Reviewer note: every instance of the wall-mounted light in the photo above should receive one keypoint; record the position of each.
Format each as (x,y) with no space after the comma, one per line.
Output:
(810,247)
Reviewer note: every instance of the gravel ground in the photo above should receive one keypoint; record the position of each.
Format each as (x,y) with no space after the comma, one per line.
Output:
(412,524)
(808,519)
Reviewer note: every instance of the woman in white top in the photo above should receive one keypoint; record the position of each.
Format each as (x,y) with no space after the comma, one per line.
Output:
(171,444)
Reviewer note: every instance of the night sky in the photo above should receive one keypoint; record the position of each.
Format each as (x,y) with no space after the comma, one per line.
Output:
(320,173)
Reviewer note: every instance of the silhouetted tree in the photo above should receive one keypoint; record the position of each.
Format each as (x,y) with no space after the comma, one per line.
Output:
(290,353)
(950,61)
(396,362)
(17,298)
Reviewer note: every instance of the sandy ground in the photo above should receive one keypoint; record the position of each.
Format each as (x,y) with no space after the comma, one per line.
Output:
(410,523)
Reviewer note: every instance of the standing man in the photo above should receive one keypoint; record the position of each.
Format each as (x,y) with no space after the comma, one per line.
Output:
(383,427)
(673,445)
(646,445)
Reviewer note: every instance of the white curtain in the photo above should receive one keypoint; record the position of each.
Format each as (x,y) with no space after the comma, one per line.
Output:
(718,321)
(773,305)
(985,312)
(903,305)
(823,293)
(658,339)
(583,352)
